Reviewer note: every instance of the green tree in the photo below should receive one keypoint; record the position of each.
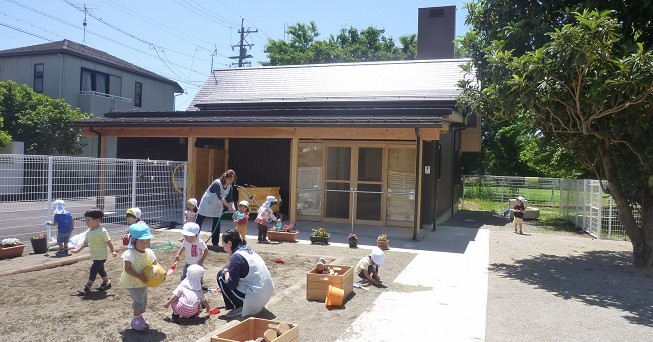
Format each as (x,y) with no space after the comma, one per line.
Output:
(5,137)
(349,45)
(39,121)
(585,87)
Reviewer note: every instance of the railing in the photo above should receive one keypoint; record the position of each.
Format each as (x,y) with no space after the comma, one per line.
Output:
(29,185)
(113,97)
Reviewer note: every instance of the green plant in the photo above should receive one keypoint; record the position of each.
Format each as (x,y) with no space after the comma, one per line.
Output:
(382,237)
(38,236)
(352,236)
(10,242)
(320,232)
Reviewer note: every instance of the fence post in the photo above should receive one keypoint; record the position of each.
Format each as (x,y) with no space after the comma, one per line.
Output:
(133,183)
(600,206)
(50,172)
(610,217)
(184,192)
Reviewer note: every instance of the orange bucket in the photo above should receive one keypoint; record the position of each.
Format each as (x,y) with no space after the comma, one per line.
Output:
(334,296)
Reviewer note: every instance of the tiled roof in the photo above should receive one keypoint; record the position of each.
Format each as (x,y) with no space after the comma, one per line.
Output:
(70,47)
(393,81)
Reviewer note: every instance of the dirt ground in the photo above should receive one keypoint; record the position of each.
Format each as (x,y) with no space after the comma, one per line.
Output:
(45,303)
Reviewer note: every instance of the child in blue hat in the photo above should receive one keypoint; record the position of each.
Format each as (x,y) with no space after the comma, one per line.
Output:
(136,258)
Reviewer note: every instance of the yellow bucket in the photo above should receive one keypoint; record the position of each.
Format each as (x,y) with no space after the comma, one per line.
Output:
(334,296)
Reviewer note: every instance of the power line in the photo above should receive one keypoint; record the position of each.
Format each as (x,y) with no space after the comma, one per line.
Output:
(26,32)
(242,51)
(218,21)
(30,24)
(213,13)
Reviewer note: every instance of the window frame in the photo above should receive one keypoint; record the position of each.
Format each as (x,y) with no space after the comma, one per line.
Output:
(39,78)
(138,94)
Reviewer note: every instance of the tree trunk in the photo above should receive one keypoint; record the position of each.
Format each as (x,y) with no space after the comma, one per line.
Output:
(641,236)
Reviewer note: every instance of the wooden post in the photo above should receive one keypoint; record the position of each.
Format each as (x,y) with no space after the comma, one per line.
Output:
(292,191)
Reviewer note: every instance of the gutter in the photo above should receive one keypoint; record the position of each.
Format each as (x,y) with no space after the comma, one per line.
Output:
(61,73)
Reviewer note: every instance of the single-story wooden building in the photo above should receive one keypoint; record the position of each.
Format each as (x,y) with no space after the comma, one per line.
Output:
(371,143)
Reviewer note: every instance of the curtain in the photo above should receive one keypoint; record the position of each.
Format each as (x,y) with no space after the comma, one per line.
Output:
(100,83)
(86,81)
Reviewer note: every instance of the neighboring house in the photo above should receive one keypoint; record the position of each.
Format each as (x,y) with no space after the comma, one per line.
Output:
(89,79)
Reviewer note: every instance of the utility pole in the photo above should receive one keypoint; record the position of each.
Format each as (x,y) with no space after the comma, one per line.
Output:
(242,46)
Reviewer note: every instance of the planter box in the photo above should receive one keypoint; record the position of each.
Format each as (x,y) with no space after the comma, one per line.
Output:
(253,328)
(384,245)
(317,284)
(322,240)
(274,235)
(12,252)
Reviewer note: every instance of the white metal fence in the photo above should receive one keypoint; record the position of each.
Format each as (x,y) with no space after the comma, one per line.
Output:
(29,184)
(580,201)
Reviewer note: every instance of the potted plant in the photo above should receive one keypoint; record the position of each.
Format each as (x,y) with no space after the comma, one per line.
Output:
(320,235)
(286,233)
(11,248)
(353,240)
(383,242)
(39,243)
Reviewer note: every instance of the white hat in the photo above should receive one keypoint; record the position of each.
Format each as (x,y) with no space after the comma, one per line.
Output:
(269,200)
(59,207)
(190,229)
(377,256)
(243,202)
(192,201)
(194,275)
(136,212)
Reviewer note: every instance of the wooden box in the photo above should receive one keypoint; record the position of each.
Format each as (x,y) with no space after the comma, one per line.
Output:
(253,328)
(317,284)
(256,194)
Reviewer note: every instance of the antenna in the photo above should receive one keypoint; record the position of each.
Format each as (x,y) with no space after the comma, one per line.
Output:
(87,10)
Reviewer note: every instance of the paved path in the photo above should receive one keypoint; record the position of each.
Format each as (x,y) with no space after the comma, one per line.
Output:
(441,295)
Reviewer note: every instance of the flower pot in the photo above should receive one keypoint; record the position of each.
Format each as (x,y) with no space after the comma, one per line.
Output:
(383,244)
(353,243)
(274,235)
(12,251)
(317,239)
(40,246)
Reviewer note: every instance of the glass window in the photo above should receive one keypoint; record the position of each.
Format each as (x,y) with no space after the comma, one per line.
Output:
(138,94)
(38,77)
(94,81)
(401,184)
(338,163)
(370,164)
(309,180)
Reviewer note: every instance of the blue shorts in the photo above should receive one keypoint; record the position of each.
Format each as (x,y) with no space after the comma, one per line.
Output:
(63,237)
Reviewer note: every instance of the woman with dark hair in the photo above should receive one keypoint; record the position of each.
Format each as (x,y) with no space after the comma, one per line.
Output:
(245,282)
(216,198)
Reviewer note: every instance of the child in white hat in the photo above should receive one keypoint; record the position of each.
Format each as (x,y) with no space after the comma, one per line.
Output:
(63,220)
(240,218)
(368,267)
(188,298)
(191,210)
(193,247)
(264,217)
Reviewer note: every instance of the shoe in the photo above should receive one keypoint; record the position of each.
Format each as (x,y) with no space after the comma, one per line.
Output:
(175,317)
(139,324)
(234,313)
(104,286)
(85,290)
(520,232)
(61,252)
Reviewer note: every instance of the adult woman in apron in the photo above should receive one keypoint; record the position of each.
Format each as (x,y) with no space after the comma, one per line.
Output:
(216,198)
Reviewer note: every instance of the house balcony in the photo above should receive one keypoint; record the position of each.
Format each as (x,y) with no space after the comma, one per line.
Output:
(101,103)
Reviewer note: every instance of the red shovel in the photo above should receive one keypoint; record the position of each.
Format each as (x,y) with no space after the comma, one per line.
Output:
(214,311)
(172,268)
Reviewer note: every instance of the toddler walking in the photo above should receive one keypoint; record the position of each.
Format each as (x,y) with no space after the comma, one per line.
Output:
(192,246)
(188,298)
(191,210)
(63,220)
(136,258)
(97,239)
(264,217)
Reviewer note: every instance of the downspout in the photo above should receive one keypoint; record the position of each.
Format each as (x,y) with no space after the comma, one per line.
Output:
(417,183)
(453,171)
(436,179)
(60,75)
(99,141)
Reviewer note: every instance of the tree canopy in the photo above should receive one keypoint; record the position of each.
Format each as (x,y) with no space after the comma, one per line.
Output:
(41,122)
(583,81)
(349,45)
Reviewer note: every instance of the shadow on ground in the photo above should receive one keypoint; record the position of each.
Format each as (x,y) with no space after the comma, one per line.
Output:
(601,278)
(476,219)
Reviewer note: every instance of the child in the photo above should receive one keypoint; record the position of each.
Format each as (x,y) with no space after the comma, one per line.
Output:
(322,268)
(241,218)
(264,217)
(136,257)
(191,210)
(188,298)
(195,248)
(97,239)
(368,267)
(63,220)
(518,211)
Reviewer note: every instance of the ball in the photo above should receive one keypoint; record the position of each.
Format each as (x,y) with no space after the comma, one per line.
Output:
(155,275)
